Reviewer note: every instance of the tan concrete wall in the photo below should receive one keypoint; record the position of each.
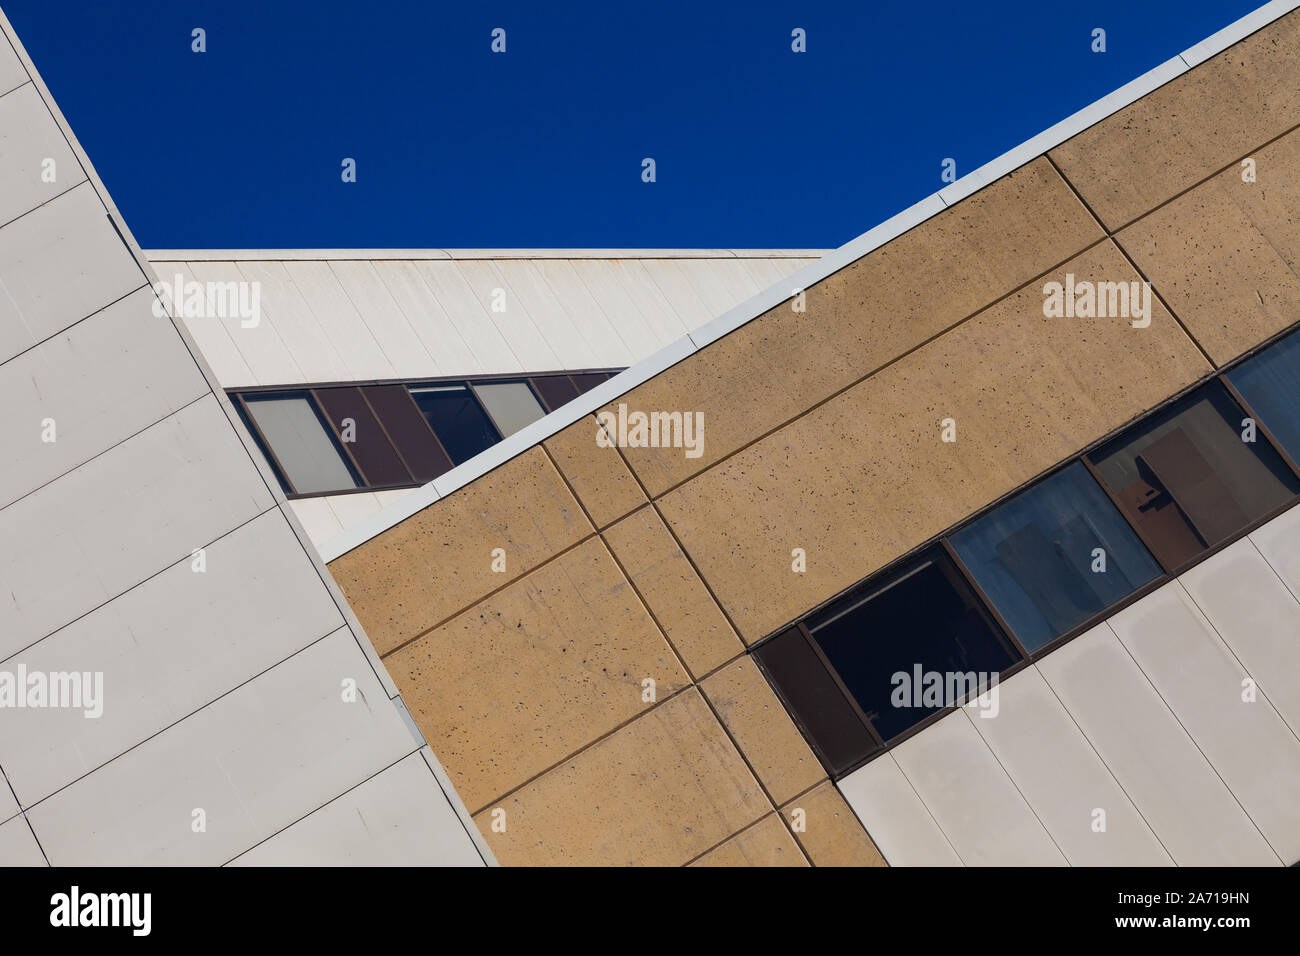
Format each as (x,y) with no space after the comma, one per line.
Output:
(823,432)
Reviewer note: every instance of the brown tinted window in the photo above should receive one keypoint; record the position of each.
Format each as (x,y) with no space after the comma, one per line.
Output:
(409,431)
(555,390)
(365,439)
(1188,478)
(589,381)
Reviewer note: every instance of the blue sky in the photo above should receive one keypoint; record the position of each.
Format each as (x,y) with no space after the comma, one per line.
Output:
(457,147)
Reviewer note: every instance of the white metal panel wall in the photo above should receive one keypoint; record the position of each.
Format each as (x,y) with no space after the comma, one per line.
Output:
(144,544)
(358,319)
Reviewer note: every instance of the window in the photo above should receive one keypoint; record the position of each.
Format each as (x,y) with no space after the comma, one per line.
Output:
(1270,383)
(1188,479)
(457,419)
(885,639)
(835,729)
(355,425)
(512,405)
(1054,556)
(330,439)
(306,456)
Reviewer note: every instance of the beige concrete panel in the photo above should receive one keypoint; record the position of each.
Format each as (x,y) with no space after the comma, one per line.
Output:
(597,475)
(1189,128)
(673,591)
(863,316)
(660,792)
(828,831)
(763,730)
(534,673)
(1225,255)
(439,561)
(766,843)
(865,478)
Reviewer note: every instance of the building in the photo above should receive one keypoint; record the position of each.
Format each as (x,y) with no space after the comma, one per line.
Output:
(973,542)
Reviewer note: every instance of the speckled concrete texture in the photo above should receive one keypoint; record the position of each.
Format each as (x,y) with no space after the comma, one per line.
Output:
(865,315)
(866,477)
(1226,256)
(763,730)
(766,843)
(1188,129)
(673,591)
(535,672)
(831,834)
(439,561)
(598,476)
(660,792)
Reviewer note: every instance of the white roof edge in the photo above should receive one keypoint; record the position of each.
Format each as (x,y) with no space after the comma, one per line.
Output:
(830,263)
(279,255)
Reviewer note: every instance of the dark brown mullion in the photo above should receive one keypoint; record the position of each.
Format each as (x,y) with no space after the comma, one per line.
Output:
(1259,425)
(981,596)
(251,420)
(365,400)
(1123,512)
(319,409)
(835,676)
(406,390)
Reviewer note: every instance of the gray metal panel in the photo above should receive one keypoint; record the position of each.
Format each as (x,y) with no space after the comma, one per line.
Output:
(972,799)
(1279,543)
(1063,779)
(106,378)
(39,293)
(398,817)
(254,761)
(17,845)
(12,73)
(516,323)
(29,141)
(1250,747)
(1168,779)
(120,518)
(297,326)
(260,344)
(894,816)
(8,805)
(167,648)
(339,319)
(1258,618)
(214,341)
(428,318)
(387,323)
(470,317)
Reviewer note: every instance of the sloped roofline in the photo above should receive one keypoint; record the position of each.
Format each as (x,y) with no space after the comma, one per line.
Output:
(283,255)
(809,275)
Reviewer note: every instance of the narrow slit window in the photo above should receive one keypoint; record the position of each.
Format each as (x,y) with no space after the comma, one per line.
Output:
(301,444)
